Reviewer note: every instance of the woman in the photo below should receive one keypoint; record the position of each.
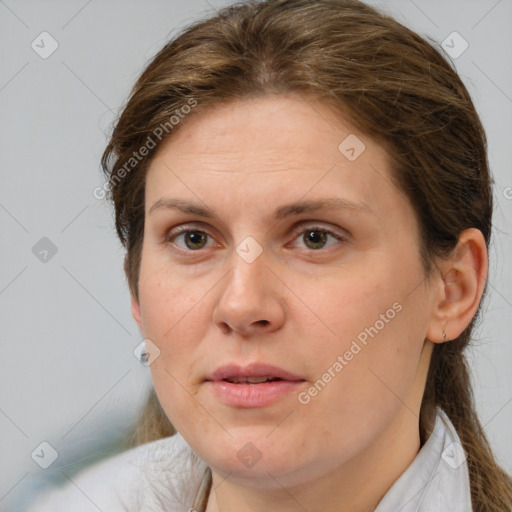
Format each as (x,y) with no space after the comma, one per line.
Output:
(303,191)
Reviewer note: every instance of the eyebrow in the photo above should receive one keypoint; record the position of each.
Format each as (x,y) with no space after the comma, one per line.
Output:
(296,208)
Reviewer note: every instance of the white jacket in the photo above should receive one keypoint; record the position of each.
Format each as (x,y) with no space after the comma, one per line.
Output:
(166,475)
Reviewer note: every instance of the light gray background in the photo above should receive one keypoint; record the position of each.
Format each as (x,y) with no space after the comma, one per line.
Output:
(68,374)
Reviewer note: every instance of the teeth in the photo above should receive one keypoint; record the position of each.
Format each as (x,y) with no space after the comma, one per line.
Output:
(251,380)
(257,380)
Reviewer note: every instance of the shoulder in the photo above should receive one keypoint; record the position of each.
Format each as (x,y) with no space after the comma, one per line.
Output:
(161,472)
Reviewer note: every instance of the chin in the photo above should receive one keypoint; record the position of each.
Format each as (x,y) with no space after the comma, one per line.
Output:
(252,456)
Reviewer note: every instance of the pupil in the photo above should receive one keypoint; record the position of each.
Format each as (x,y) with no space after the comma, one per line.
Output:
(195,237)
(317,240)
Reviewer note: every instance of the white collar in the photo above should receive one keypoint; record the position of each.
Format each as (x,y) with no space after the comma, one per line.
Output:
(437,480)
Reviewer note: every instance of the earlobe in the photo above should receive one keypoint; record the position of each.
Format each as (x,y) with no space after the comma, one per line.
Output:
(463,281)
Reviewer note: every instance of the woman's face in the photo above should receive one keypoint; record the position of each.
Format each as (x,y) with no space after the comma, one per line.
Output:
(335,296)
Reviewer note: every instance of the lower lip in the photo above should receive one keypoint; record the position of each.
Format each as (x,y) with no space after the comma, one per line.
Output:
(252,395)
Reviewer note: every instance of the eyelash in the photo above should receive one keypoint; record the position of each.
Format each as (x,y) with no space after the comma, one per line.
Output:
(301,230)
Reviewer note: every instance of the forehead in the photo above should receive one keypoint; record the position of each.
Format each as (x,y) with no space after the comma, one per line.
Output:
(293,124)
(270,147)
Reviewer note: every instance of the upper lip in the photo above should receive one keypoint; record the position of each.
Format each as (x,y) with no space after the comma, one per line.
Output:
(234,371)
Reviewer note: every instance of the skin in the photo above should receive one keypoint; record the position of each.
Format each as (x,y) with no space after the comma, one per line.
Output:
(202,304)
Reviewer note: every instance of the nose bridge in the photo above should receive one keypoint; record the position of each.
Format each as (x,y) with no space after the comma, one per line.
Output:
(248,299)
(248,268)
(249,258)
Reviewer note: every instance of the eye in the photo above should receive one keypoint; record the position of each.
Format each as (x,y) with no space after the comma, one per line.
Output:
(194,239)
(316,237)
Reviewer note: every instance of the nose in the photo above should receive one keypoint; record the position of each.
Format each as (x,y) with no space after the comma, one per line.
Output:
(251,300)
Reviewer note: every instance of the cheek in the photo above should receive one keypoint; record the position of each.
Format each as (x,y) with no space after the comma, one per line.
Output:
(173,316)
(372,331)
(345,307)
(167,299)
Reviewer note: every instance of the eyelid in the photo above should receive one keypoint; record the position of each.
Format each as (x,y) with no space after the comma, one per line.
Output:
(303,224)
(317,225)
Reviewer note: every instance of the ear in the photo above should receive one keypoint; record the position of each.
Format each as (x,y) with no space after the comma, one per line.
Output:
(136,312)
(135,307)
(461,285)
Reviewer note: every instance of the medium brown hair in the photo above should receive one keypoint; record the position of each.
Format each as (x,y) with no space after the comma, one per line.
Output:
(392,85)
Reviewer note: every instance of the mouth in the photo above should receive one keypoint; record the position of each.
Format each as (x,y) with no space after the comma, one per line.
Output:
(251,380)
(255,385)
(254,373)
